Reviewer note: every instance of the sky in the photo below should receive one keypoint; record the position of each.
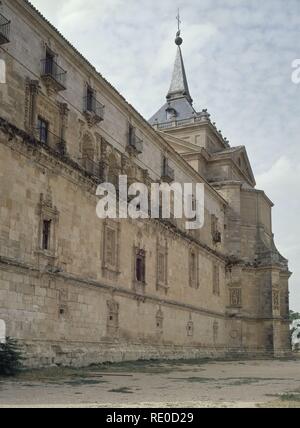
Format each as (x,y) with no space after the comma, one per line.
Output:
(238,56)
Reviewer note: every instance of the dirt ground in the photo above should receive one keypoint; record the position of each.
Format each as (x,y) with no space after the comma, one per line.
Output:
(255,383)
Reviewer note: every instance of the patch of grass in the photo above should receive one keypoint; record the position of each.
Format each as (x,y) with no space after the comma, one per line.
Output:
(236,381)
(122,390)
(290,397)
(49,374)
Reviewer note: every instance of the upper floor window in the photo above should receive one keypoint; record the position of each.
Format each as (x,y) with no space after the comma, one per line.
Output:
(167,172)
(140,266)
(93,109)
(89,99)
(135,144)
(53,75)
(46,234)
(4,30)
(43,130)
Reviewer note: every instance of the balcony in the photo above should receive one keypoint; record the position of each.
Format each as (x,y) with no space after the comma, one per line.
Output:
(93,110)
(168,174)
(4,30)
(216,237)
(51,140)
(135,144)
(53,75)
(91,167)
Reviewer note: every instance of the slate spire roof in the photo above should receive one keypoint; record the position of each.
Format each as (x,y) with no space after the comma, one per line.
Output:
(179,103)
(179,85)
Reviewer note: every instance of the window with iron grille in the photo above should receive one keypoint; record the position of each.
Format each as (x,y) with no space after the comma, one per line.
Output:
(90,94)
(43,130)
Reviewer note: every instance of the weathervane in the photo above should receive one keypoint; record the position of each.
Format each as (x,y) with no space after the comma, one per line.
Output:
(178,39)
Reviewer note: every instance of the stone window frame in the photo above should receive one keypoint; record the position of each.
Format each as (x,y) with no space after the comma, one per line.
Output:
(108,268)
(194,282)
(48,212)
(162,252)
(216,279)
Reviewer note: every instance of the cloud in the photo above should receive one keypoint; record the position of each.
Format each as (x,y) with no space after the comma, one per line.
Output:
(238,57)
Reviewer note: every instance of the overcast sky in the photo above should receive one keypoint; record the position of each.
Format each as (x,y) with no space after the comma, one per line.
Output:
(238,56)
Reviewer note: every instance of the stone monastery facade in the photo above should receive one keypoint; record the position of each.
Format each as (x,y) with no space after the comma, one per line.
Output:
(75,289)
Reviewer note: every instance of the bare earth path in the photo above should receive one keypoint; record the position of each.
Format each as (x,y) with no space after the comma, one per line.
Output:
(163,384)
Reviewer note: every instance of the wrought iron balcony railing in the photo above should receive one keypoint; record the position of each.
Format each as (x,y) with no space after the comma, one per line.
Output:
(51,70)
(4,30)
(135,143)
(94,107)
(92,167)
(51,140)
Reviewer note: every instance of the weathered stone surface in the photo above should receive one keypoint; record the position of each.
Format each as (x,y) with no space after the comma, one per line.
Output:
(78,302)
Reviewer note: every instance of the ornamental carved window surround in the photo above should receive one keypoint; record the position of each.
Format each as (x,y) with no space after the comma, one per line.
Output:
(48,213)
(162,267)
(111,249)
(193,269)
(139,270)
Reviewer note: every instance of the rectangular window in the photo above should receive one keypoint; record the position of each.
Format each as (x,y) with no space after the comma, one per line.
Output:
(43,130)
(140,268)
(131,135)
(90,99)
(46,234)
(49,65)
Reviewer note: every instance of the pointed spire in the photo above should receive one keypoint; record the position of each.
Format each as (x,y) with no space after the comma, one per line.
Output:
(179,86)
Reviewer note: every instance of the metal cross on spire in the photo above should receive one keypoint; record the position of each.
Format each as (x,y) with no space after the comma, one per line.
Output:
(178,20)
(178,39)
